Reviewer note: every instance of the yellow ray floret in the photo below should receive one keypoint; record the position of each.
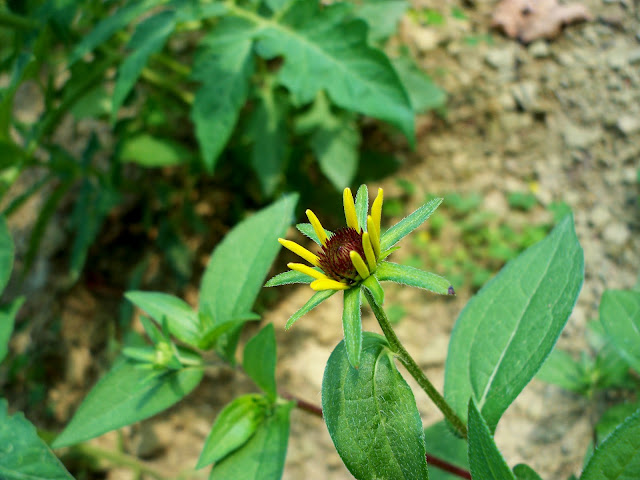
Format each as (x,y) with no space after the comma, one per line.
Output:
(328,284)
(299,267)
(317,227)
(357,261)
(301,251)
(368,252)
(374,235)
(350,210)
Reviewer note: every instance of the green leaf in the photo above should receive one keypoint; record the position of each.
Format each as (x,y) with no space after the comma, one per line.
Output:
(382,16)
(307,230)
(11,155)
(152,152)
(612,418)
(442,443)
(371,414)
(408,224)
(7,319)
(240,262)
(312,303)
(181,319)
(352,325)
(372,284)
(289,277)
(24,455)
(337,151)
(561,369)
(332,51)
(485,459)
(506,331)
(233,427)
(262,457)
(213,335)
(149,38)
(525,472)
(259,360)
(108,26)
(618,457)
(6,254)
(223,65)
(620,315)
(392,272)
(362,206)
(194,11)
(127,394)
(424,94)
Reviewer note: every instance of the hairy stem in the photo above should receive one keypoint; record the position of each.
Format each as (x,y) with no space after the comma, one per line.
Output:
(413,368)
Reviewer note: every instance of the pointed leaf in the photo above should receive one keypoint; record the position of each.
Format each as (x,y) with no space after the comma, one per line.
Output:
(7,320)
(337,150)
(506,331)
(388,271)
(181,319)
(561,369)
(126,394)
(618,457)
(382,16)
(6,254)
(233,427)
(525,472)
(372,284)
(372,415)
(331,49)
(408,224)
(211,337)
(620,315)
(223,65)
(445,445)
(307,230)
(149,38)
(24,455)
(485,459)
(312,303)
(352,325)
(259,360)
(362,206)
(287,278)
(262,457)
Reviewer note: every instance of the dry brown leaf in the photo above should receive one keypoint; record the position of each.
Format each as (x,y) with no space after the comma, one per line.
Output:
(529,20)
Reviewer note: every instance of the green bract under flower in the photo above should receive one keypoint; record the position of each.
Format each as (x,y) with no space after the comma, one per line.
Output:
(354,257)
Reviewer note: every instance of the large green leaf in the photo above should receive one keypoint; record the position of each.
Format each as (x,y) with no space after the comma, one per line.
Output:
(7,319)
(382,16)
(23,456)
(149,38)
(506,331)
(223,66)
(240,262)
(6,254)
(259,360)
(337,151)
(262,457)
(618,457)
(485,459)
(424,94)
(372,416)
(181,319)
(620,315)
(234,426)
(445,445)
(127,394)
(326,50)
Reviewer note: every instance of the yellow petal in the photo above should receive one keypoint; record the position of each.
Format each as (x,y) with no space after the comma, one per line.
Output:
(374,235)
(376,210)
(357,261)
(368,252)
(301,251)
(317,227)
(299,267)
(328,284)
(350,210)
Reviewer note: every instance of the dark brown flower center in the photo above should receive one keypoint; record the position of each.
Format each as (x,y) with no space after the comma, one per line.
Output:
(334,258)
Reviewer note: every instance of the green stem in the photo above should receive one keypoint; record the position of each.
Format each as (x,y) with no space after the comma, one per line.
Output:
(413,368)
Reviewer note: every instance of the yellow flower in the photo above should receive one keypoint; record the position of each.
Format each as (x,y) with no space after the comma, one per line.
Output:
(349,255)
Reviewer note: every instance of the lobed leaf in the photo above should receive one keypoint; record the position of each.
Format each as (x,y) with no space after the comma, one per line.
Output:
(408,224)
(382,16)
(371,414)
(24,455)
(507,330)
(352,325)
(392,272)
(262,457)
(620,315)
(259,360)
(312,303)
(234,426)
(126,394)
(485,459)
